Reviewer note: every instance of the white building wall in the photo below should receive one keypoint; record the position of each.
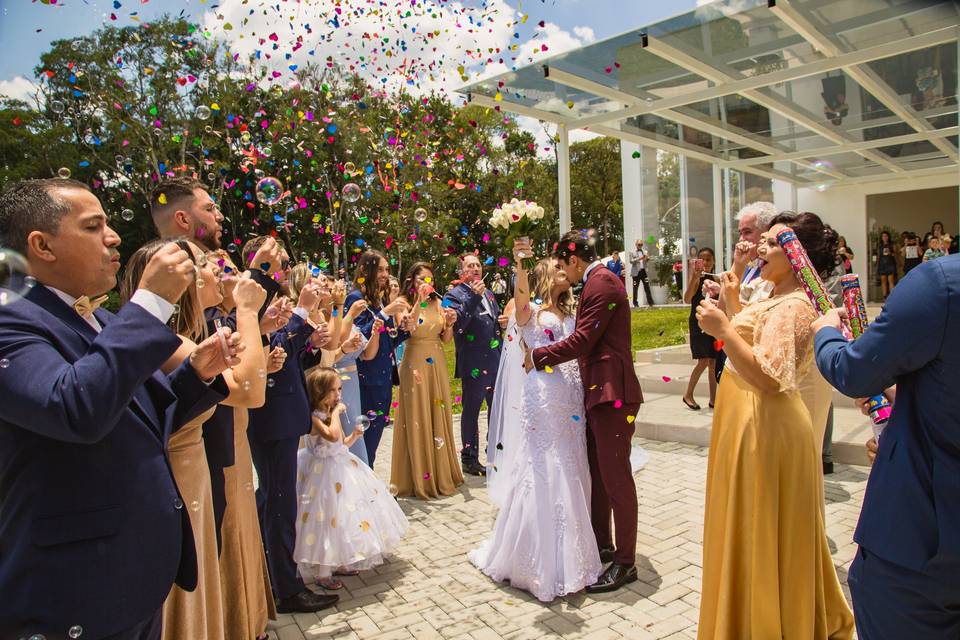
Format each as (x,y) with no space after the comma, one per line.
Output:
(845,207)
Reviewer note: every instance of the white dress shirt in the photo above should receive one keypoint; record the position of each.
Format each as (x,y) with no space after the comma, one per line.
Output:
(151,303)
(595,263)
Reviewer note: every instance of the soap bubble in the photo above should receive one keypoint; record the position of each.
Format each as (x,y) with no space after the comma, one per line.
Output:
(202,112)
(15,280)
(420,214)
(351,192)
(362,422)
(127,214)
(75,631)
(57,107)
(63,172)
(349,167)
(269,191)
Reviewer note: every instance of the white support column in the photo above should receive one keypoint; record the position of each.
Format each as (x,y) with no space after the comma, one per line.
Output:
(632,186)
(684,219)
(563,177)
(718,216)
(728,220)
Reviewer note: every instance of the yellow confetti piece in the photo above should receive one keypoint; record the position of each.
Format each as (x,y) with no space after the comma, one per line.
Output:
(333,521)
(364,525)
(592,387)
(548,369)
(305,517)
(630,419)
(338,487)
(162,199)
(361,280)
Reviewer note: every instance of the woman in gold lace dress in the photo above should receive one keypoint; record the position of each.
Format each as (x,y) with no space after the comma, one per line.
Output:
(424,459)
(767,569)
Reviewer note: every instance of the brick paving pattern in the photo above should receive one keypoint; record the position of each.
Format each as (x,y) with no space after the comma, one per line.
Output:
(429,589)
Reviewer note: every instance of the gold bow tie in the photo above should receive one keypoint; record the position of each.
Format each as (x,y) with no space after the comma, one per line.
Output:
(85,306)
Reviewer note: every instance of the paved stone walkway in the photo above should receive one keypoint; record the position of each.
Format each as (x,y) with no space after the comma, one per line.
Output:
(430,590)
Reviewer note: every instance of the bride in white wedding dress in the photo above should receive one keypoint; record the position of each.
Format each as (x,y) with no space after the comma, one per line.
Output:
(542,540)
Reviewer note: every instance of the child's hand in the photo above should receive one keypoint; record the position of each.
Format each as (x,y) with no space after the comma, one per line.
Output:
(340,408)
(377,326)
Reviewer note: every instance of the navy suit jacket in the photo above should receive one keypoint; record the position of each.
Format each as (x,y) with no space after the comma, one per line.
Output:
(377,371)
(93,531)
(911,510)
(474,331)
(218,430)
(286,413)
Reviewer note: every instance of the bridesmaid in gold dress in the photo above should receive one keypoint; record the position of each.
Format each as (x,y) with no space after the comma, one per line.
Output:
(244,578)
(198,614)
(767,569)
(424,459)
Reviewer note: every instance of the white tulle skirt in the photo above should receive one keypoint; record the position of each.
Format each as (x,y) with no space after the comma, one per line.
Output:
(346,517)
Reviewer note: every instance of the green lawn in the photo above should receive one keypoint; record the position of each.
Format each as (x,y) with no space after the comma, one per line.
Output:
(651,328)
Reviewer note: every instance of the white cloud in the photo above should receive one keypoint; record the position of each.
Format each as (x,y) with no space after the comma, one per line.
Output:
(383,45)
(427,48)
(20,88)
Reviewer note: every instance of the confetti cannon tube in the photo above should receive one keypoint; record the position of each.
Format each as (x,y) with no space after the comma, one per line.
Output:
(878,406)
(807,274)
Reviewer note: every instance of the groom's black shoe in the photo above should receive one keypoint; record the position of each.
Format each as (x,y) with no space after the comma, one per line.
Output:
(306,602)
(474,468)
(606,555)
(613,578)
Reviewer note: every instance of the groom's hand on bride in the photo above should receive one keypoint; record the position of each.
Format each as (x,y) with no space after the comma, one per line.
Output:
(527,359)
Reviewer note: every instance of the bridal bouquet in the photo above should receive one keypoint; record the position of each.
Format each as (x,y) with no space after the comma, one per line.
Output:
(518,219)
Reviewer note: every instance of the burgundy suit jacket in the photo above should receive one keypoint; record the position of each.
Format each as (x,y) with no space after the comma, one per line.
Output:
(600,342)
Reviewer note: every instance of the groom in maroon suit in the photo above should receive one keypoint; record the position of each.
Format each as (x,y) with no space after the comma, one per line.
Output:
(612,396)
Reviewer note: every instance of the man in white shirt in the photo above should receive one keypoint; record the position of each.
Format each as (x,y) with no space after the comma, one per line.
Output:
(638,273)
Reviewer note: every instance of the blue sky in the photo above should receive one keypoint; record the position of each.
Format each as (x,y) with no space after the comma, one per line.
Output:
(27,28)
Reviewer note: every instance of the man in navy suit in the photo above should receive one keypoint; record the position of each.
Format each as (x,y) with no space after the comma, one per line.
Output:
(476,338)
(274,435)
(904,576)
(182,207)
(93,532)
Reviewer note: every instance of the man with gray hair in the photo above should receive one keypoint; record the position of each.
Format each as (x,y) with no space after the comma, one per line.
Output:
(476,336)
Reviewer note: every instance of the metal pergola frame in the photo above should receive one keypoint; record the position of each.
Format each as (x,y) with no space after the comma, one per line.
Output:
(723,80)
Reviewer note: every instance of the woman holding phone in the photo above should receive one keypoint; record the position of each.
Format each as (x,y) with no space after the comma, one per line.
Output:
(701,345)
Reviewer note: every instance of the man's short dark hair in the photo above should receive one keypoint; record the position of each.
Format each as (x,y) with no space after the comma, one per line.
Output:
(575,243)
(174,191)
(33,205)
(250,249)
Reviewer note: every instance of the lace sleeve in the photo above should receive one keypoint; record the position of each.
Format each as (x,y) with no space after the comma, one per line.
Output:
(783,342)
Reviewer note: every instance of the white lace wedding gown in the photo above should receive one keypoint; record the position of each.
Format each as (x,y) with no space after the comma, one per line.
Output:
(542,541)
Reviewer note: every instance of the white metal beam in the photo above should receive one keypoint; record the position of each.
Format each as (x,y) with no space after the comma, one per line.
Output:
(795,18)
(689,150)
(764,98)
(699,121)
(851,147)
(916,173)
(517,108)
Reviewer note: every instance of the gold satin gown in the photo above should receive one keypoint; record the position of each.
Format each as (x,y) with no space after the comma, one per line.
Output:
(244,577)
(767,569)
(425,461)
(197,614)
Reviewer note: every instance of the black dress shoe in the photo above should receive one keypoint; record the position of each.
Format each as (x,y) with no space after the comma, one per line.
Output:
(613,578)
(827,468)
(606,555)
(306,602)
(474,468)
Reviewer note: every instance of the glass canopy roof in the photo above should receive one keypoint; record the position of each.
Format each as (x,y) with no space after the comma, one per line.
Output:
(807,90)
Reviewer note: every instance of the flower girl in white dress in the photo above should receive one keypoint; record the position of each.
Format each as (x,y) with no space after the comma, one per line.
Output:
(543,541)
(347,520)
